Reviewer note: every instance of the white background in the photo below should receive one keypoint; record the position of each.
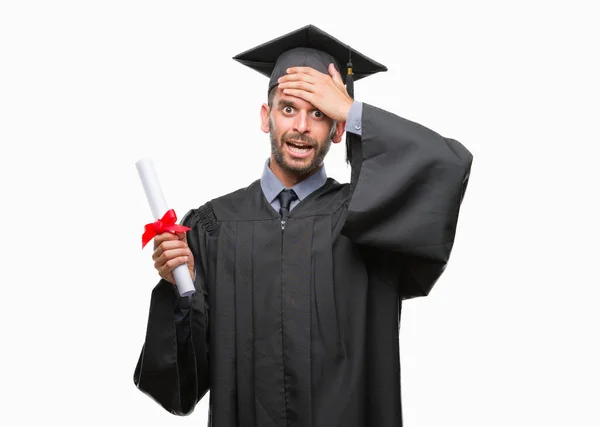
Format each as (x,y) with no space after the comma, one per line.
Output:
(509,335)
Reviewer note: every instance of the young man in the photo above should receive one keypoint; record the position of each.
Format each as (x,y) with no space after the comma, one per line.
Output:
(298,293)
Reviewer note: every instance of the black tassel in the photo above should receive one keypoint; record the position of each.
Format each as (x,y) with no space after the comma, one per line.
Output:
(350,90)
(350,80)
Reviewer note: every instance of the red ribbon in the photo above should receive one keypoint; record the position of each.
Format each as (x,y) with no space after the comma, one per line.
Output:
(165,224)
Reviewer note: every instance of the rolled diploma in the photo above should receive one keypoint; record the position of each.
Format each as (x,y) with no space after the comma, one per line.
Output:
(159,207)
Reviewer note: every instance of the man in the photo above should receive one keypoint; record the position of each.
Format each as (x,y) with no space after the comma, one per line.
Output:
(298,293)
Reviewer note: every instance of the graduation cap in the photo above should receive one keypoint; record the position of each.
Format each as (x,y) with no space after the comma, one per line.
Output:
(312,47)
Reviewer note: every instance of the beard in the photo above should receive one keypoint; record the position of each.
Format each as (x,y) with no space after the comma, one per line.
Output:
(321,148)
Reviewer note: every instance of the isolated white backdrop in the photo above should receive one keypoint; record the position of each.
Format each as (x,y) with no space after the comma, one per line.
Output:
(509,334)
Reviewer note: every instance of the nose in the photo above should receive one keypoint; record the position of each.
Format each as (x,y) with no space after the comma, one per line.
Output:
(301,122)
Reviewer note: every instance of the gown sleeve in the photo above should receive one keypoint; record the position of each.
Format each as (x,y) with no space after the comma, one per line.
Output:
(407,184)
(173,366)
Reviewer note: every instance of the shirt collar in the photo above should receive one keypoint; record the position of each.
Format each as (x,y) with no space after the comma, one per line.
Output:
(271,185)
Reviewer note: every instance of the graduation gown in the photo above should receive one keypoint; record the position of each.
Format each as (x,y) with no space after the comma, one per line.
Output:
(297,324)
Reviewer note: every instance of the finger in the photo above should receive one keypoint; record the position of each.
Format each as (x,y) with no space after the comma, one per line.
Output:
(172,254)
(296,77)
(305,70)
(298,93)
(163,237)
(167,268)
(182,235)
(172,244)
(308,87)
(168,245)
(337,77)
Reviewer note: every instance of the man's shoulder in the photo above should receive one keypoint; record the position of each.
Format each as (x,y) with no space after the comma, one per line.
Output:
(239,204)
(224,203)
(237,196)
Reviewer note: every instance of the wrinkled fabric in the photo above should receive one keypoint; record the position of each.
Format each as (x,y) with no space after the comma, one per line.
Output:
(299,326)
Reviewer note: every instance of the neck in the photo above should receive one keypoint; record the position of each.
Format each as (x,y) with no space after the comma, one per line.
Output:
(287,178)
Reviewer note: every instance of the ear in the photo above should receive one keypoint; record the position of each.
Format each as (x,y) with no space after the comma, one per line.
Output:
(339,131)
(264,118)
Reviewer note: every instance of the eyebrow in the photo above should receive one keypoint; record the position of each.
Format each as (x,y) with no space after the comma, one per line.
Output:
(285,103)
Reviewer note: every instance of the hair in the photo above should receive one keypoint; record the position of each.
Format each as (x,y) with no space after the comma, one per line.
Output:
(271,96)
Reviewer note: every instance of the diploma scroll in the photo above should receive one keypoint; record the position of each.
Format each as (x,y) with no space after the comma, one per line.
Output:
(159,207)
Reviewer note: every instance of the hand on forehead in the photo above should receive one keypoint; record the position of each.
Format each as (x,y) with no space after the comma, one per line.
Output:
(326,92)
(309,74)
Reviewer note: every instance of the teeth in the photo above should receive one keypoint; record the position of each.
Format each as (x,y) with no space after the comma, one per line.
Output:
(298,150)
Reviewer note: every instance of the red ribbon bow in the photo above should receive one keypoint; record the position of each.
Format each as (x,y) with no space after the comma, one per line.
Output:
(166,223)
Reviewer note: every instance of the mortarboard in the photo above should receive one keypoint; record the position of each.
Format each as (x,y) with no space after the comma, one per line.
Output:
(309,46)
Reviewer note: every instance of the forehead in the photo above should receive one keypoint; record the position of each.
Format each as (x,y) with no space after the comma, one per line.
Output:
(281,100)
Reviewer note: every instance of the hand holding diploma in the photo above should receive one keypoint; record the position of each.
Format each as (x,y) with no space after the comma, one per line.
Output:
(171,251)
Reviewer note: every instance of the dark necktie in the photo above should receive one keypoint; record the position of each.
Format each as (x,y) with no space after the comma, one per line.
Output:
(285,198)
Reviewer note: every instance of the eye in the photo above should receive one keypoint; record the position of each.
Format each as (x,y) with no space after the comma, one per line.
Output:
(318,114)
(288,109)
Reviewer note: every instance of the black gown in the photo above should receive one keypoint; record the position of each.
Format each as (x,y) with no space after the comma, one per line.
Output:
(298,325)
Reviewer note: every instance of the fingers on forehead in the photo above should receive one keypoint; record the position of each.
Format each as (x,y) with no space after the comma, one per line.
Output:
(305,70)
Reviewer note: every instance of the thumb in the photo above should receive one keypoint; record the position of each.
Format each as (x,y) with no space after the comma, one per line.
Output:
(335,75)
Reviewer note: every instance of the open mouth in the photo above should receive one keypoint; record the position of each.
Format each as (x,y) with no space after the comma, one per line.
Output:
(298,150)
